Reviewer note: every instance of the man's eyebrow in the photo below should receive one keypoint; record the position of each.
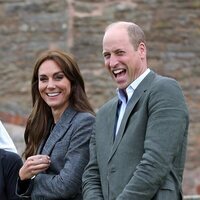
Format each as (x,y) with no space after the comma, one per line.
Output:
(104,52)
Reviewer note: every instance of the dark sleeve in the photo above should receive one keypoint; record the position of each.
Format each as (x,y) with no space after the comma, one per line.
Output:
(24,188)
(11,164)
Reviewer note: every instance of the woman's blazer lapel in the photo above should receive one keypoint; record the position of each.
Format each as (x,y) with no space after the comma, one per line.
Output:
(58,131)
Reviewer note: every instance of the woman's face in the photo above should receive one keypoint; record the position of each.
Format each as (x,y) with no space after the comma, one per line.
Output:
(53,85)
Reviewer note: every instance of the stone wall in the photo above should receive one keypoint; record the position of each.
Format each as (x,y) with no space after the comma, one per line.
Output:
(172,29)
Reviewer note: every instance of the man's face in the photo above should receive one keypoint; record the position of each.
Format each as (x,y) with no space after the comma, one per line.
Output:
(121,59)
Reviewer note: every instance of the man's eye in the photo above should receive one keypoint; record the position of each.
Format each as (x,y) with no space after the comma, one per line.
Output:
(106,56)
(120,53)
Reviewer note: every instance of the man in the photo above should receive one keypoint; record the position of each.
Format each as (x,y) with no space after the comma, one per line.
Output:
(138,148)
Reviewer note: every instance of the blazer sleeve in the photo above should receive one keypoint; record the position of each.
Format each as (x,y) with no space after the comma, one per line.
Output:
(91,178)
(165,138)
(12,165)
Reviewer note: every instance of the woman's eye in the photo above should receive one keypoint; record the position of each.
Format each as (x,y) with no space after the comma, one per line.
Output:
(42,79)
(59,77)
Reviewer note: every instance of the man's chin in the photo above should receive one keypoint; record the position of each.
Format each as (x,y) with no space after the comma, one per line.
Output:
(121,85)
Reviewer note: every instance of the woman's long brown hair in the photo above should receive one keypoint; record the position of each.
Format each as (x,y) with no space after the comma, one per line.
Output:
(40,119)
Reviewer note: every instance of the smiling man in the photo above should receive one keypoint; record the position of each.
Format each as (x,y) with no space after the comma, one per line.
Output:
(137,151)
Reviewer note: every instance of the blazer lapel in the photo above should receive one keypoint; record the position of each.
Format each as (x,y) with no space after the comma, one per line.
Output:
(142,87)
(111,122)
(106,130)
(58,131)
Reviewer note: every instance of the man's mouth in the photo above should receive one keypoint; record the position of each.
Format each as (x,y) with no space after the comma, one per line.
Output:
(119,72)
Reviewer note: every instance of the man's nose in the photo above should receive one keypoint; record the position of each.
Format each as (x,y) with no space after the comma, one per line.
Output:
(113,61)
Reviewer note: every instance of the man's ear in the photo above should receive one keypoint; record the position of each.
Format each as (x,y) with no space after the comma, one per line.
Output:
(142,50)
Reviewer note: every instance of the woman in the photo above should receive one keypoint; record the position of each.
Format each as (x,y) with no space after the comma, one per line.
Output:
(57,132)
(10,163)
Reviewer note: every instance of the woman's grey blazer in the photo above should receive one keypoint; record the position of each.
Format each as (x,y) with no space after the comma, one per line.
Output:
(68,148)
(146,159)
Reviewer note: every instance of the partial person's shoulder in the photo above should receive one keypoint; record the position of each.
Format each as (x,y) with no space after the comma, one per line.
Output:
(9,156)
(84,116)
(167,89)
(70,115)
(165,83)
(162,79)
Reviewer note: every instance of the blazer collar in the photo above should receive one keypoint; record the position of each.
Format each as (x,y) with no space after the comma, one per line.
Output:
(58,131)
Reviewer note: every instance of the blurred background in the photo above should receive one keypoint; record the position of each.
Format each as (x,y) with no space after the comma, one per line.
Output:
(28,27)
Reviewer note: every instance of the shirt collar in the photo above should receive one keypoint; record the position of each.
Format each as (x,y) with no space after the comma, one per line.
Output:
(125,97)
(137,81)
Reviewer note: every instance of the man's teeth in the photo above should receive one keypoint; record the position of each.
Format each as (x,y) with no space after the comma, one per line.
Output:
(117,71)
(53,94)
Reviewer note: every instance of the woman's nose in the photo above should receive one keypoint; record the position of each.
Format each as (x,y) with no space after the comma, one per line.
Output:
(51,84)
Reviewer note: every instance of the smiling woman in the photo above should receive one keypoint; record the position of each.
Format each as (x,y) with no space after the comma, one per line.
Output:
(54,87)
(57,132)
